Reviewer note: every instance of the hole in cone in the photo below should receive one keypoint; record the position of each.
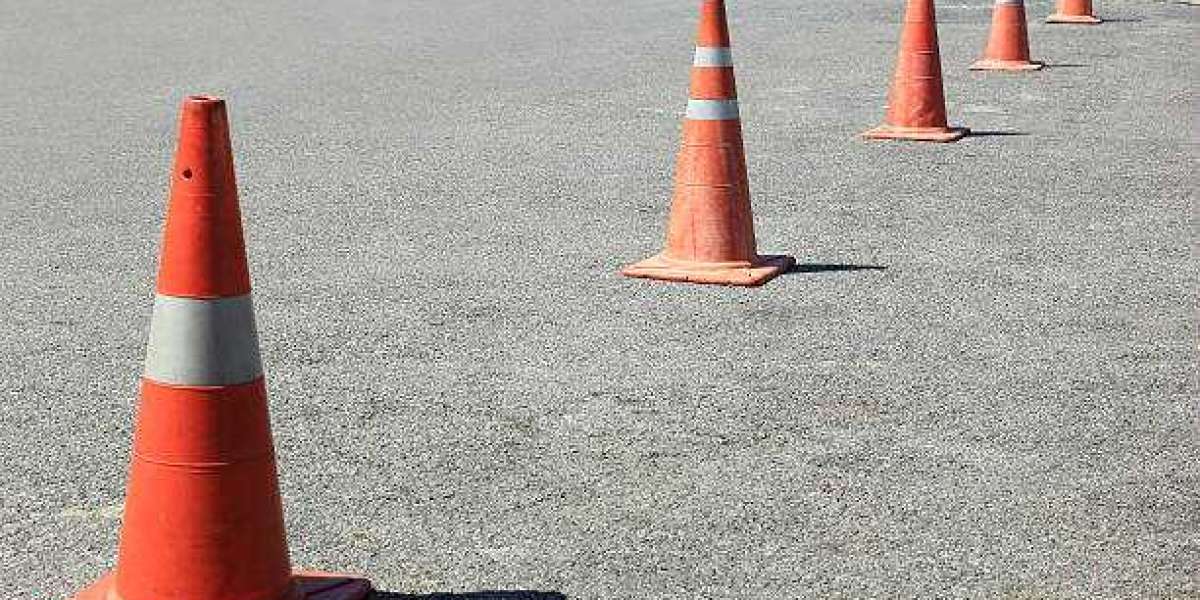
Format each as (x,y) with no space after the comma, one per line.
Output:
(187,173)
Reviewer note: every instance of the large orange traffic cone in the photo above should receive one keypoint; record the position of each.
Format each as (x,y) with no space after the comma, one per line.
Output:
(916,103)
(1008,46)
(710,234)
(1077,12)
(203,515)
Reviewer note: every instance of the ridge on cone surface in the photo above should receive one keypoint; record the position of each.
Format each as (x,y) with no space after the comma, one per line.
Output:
(1074,12)
(1008,44)
(203,516)
(916,102)
(710,231)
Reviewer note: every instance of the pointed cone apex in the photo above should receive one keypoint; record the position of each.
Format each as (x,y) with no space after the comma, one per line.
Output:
(1074,12)
(203,254)
(916,102)
(203,515)
(710,234)
(1008,46)
(713,29)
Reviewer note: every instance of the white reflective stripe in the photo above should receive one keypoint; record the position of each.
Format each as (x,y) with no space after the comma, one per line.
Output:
(713,57)
(203,342)
(1010,2)
(712,110)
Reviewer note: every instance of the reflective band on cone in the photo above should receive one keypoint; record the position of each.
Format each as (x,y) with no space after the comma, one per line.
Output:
(707,56)
(712,110)
(203,342)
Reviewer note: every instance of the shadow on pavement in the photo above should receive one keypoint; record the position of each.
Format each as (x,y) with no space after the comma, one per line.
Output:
(982,133)
(483,595)
(819,268)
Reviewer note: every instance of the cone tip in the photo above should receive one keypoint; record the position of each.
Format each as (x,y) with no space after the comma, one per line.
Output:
(203,108)
(203,99)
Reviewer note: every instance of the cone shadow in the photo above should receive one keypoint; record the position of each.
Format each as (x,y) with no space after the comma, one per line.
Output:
(978,133)
(831,268)
(482,595)
(1066,66)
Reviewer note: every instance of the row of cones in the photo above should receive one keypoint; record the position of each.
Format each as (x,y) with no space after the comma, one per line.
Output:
(710,231)
(203,515)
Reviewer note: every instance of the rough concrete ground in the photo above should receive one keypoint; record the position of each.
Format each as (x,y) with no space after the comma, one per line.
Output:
(437,196)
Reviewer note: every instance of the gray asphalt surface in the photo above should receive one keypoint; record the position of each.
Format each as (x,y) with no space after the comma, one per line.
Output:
(438,195)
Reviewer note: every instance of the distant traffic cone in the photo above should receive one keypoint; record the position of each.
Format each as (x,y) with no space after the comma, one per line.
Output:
(710,234)
(203,515)
(1076,12)
(1008,46)
(916,103)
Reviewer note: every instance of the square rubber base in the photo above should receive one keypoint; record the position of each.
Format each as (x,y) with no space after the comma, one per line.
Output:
(763,270)
(312,585)
(918,134)
(988,64)
(1073,20)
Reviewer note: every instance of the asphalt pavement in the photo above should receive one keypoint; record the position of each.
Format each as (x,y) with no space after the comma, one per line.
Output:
(981,382)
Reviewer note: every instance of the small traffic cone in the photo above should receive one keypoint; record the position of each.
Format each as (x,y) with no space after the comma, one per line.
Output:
(1077,12)
(710,234)
(1008,46)
(203,515)
(916,103)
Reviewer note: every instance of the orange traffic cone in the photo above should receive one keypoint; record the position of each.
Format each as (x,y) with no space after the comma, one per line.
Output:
(203,515)
(1008,46)
(916,102)
(1078,12)
(710,235)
